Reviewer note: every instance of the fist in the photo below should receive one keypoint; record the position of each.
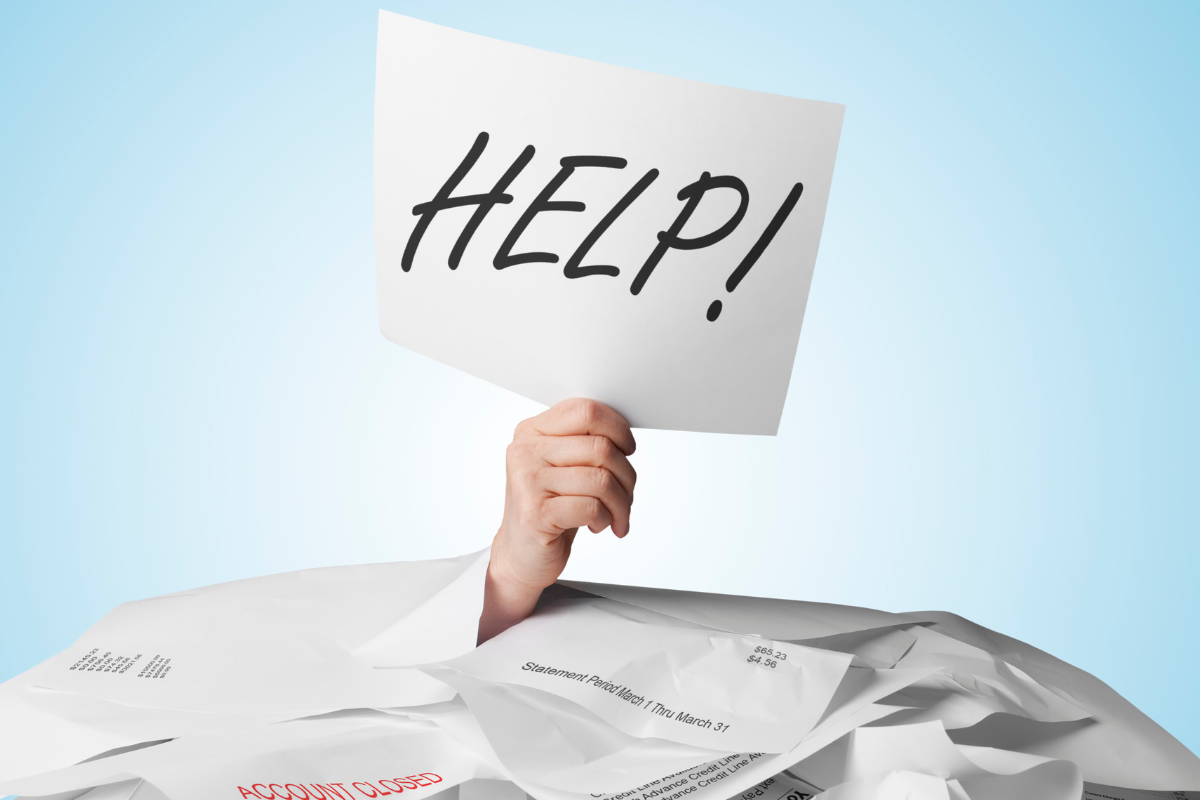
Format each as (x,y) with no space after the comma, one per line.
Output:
(567,468)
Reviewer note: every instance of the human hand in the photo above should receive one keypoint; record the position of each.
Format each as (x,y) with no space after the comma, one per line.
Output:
(567,468)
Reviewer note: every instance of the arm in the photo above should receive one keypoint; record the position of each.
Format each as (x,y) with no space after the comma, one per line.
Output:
(567,468)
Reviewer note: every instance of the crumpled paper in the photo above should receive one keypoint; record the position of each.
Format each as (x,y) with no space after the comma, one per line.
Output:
(358,683)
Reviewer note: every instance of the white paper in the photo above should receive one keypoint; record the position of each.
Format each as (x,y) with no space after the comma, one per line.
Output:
(490,789)
(920,761)
(558,749)
(45,729)
(541,738)
(132,789)
(971,684)
(244,653)
(777,787)
(704,688)
(726,776)
(783,620)
(1117,745)
(359,755)
(1026,714)
(1098,791)
(301,642)
(654,356)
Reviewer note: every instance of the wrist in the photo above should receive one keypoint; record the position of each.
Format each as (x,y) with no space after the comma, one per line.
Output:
(510,589)
(507,599)
(519,564)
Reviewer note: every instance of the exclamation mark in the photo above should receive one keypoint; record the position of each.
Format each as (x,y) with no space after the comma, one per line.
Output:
(768,234)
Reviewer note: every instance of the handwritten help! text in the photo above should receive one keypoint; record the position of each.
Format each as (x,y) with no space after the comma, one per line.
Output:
(669,239)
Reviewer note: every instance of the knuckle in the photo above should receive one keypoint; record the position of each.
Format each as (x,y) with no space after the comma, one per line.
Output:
(528,516)
(539,476)
(589,411)
(603,480)
(592,508)
(515,453)
(602,447)
(540,511)
(524,484)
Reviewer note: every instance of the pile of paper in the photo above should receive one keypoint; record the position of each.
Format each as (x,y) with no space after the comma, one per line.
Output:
(356,683)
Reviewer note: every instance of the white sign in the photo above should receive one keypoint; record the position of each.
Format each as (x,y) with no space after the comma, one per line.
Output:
(565,228)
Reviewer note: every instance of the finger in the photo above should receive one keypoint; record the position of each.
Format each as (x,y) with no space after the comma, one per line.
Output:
(586,451)
(571,511)
(579,417)
(591,482)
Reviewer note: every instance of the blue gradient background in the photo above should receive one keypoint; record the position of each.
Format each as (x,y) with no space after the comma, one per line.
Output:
(994,406)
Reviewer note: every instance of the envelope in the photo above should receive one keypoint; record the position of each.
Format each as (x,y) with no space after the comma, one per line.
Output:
(725,777)
(970,684)
(551,744)
(783,620)
(45,729)
(250,652)
(540,738)
(558,749)
(349,755)
(920,761)
(1113,742)
(1117,745)
(711,689)
(559,707)
(301,642)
